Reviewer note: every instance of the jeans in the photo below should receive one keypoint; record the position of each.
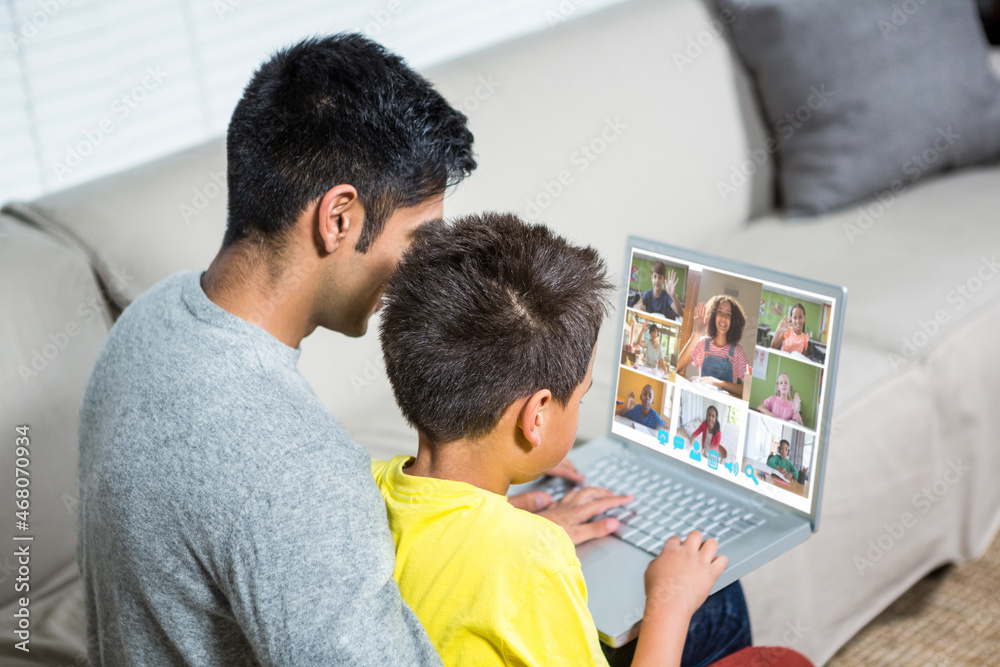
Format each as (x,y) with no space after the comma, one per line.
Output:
(719,628)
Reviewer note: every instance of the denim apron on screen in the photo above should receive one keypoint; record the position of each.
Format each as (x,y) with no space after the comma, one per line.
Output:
(716,367)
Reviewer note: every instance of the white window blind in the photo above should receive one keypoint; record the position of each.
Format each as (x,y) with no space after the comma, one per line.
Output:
(88,87)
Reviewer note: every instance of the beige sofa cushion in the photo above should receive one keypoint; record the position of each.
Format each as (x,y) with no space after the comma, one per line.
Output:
(602,135)
(913,428)
(53,326)
(143,224)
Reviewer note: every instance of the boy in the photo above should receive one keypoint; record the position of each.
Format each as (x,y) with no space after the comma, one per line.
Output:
(643,413)
(780,461)
(489,332)
(662,299)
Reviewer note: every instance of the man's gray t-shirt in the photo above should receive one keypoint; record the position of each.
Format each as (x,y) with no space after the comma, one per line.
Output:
(226,518)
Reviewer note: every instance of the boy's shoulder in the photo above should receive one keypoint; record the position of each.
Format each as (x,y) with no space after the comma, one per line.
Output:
(413,503)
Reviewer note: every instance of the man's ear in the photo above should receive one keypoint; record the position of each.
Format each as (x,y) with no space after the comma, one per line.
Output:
(533,414)
(340,213)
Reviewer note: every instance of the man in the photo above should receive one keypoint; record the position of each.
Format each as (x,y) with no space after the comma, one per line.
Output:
(226,517)
(662,299)
(643,413)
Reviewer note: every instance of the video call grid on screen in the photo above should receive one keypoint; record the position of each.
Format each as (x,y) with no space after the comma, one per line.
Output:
(752,421)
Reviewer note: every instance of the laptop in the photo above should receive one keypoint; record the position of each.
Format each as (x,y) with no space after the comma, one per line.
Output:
(724,375)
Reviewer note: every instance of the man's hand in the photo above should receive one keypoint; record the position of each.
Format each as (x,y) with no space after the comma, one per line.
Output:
(575,511)
(534,501)
(566,470)
(630,401)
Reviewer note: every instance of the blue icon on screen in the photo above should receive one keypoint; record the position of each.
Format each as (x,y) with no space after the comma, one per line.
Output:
(663,437)
(733,467)
(713,460)
(748,471)
(695,454)
(678,442)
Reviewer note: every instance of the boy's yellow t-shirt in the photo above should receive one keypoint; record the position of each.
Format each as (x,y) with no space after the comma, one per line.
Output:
(492,584)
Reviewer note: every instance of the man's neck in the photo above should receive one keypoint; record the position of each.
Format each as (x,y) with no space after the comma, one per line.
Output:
(466,461)
(657,291)
(251,287)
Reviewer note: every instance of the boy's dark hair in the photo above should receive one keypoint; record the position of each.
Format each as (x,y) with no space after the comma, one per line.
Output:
(653,329)
(660,268)
(333,110)
(737,321)
(485,312)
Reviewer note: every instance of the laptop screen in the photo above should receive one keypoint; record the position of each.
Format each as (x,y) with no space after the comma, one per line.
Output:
(724,370)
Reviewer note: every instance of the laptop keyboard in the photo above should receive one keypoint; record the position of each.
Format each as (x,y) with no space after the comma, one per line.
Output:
(663,507)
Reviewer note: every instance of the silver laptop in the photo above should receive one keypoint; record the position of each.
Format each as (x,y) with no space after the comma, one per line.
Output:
(724,431)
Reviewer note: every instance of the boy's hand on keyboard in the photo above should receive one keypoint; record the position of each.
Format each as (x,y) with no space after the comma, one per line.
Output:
(576,509)
(681,577)
(677,583)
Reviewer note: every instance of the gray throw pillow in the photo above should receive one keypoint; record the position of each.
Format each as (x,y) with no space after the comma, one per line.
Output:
(865,96)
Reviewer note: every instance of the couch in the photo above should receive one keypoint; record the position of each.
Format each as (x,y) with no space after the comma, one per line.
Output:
(592,127)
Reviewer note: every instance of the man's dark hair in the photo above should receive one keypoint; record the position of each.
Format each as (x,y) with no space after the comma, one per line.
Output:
(485,312)
(737,321)
(659,268)
(335,110)
(653,329)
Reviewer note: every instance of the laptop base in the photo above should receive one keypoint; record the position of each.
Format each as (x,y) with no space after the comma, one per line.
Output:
(614,569)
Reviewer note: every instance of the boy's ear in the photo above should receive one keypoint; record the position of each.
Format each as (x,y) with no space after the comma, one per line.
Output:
(340,212)
(533,414)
